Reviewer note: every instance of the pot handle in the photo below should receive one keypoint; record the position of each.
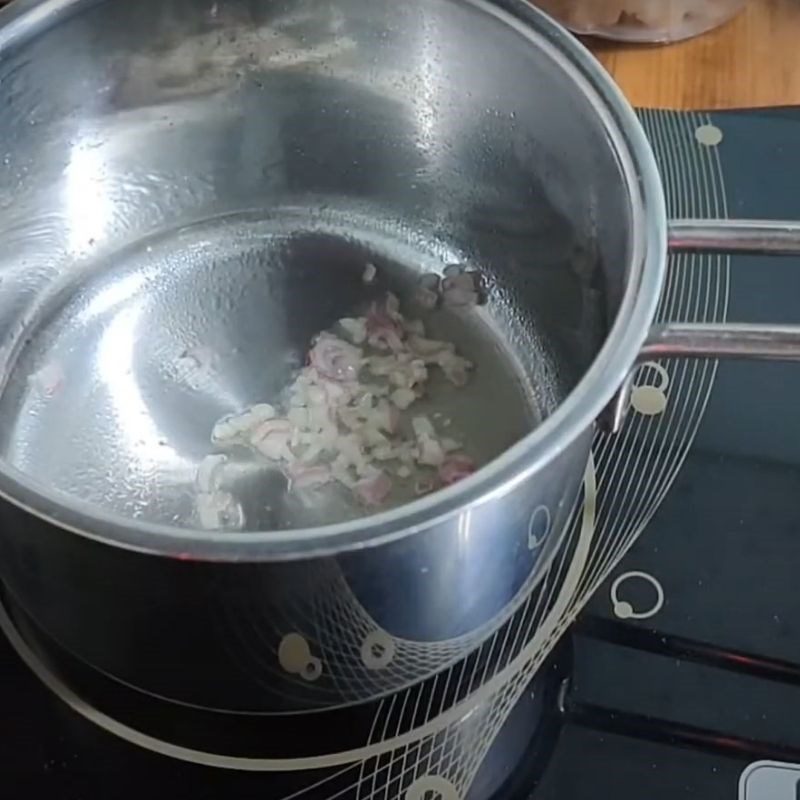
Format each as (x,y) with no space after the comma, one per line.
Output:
(730,236)
(757,341)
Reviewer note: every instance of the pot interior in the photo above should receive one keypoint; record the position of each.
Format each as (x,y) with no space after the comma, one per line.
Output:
(190,191)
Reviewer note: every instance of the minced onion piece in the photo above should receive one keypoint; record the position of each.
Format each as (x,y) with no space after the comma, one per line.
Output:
(403,398)
(456,369)
(219,511)
(335,358)
(428,290)
(460,290)
(455,467)
(341,422)
(431,452)
(239,426)
(384,330)
(373,489)
(422,426)
(209,473)
(304,477)
(356,329)
(271,439)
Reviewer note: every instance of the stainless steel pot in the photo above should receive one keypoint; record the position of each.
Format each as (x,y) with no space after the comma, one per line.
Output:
(164,162)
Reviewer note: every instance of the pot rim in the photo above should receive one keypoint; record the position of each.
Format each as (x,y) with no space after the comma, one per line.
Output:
(609,370)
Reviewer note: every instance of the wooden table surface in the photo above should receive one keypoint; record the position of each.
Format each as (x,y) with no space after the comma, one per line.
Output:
(753,61)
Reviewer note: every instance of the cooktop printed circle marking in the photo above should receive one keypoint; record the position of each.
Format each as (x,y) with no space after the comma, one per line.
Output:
(312,670)
(432,787)
(623,609)
(377,650)
(539,527)
(651,399)
(709,135)
(295,657)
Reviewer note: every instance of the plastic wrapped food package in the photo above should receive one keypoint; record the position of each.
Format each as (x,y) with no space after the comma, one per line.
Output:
(642,20)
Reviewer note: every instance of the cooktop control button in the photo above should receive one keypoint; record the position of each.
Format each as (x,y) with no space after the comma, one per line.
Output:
(770,780)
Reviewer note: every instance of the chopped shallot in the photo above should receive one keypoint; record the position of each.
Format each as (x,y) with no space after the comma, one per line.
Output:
(310,477)
(209,473)
(239,426)
(428,289)
(429,349)
(374,489)
(334,358)
(402,398)
(219,511)
(271,439)
(431,452)
(355,328)
(460,290)
(342,417)
(455,468)
(384,331)
(393,309)
(422,427)
(385,417)
(455,368)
